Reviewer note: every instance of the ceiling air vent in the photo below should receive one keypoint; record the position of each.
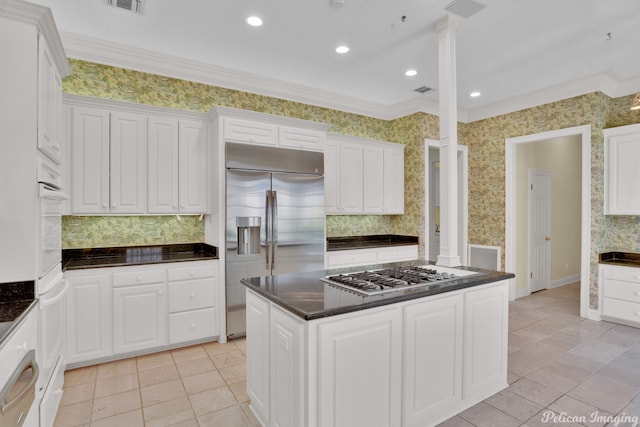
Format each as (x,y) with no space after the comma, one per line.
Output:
(423,89)
(136,6)
(464,8)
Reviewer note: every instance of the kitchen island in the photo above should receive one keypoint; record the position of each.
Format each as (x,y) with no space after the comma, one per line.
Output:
(319,355)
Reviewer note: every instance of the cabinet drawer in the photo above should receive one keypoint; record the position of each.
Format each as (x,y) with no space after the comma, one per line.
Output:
(629,274)
(191,295)
(251,132)
(192,325)
(629,311)
(301,138)
(354,257)
(138,277)
(193,271)
(621,290)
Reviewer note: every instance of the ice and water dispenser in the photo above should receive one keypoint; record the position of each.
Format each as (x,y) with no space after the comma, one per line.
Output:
(248,235)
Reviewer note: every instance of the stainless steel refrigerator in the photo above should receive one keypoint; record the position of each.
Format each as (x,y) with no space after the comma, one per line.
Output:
(275,221)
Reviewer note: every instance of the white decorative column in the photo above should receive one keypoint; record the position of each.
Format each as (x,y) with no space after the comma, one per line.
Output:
(446,28)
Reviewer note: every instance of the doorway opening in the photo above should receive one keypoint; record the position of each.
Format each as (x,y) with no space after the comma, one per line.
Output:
(566,153)
(432,201)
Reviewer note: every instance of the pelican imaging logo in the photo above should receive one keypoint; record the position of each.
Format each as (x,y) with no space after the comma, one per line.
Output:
(594,417)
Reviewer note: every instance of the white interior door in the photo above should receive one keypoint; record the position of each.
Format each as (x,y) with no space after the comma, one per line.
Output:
(539,230)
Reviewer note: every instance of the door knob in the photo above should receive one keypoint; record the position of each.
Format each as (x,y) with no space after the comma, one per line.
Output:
(547,238)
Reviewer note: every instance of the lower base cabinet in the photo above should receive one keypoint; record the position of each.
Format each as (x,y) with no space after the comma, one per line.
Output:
(415,363)
(116,311)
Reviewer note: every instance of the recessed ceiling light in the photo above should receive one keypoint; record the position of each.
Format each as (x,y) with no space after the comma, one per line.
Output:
(410,73)
(254,21)
(474,94)
(342,49)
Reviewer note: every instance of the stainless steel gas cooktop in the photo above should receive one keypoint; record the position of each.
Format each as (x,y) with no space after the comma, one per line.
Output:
(376,282)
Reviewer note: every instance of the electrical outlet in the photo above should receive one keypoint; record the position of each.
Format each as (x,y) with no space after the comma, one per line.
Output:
(566,265)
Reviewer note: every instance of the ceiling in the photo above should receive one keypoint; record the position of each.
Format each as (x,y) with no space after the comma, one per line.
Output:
(517,53)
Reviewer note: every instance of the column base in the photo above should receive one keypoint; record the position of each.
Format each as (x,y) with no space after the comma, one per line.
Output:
(449,261)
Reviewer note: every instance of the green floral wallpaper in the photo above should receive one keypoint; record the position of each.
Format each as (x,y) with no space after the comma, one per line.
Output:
(485,139)
(107,231)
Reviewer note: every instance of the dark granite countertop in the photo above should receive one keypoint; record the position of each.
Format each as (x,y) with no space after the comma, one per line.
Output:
(372,241)
(307,297)
(627,259)
(76,259)
(16,299)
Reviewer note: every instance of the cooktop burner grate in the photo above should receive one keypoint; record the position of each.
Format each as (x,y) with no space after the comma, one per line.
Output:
(383,281)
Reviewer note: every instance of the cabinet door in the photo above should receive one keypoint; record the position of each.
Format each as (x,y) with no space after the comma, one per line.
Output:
(374,179)
(351,177)
(90,161)
(350,349)
(193,167)
(287,370)
(258,356)
(432,360)
(622,173)
(304,139)
(128,156)
(485,340)
(163,150)
(49,104)
(393,185)
(139,317)
(331,177)
(88,318)
(238,130)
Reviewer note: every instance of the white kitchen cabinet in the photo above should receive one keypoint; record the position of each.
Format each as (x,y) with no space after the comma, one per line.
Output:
(364,176)
(128,163)
(177,181)
(351,349)
(139,317)
(303,139)
(383,179)
(622,170)
(163,165)
(108,162)
(89,316)
(381,255)
(258,366)
(485,342)
(90,161)
(192,301)
(128,310)
(344,174)
(286,370)
(432,384)
(49,103)
(252,132)
(193,167)
(620,294)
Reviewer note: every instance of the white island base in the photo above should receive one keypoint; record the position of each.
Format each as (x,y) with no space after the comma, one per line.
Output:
(414,363)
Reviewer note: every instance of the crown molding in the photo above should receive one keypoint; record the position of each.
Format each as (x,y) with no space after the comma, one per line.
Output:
(119,55)
(237,113)
(41,17)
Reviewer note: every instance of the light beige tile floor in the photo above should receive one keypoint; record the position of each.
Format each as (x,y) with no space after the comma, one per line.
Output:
(563,371)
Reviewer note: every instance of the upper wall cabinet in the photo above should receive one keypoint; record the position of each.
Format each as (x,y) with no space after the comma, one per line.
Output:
(622,170)
(363,176)
(266,129)
(133,159)
(49,103)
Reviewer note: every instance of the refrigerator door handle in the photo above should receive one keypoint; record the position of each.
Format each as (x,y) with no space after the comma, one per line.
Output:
(267,229)
(274,227)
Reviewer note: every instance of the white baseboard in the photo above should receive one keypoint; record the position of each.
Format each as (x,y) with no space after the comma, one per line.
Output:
(593,314)
(522,293)
(564,281)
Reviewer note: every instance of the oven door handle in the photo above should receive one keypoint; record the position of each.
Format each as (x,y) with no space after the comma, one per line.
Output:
(29,361)
(46,193)
(44,302)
